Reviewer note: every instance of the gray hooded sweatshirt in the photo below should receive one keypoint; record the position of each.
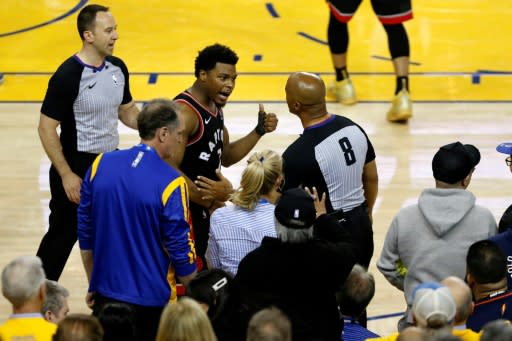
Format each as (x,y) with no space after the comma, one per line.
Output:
(432,238)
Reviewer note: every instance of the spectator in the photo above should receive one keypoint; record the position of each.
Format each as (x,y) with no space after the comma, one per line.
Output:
(269,324)
(487,277)
(498,330)
(506,148)
(412,334)
(463,299)
(117,320)
(415,249)
(185,320)
(23,285)
(504,236)
(445,337)
(354,296)
(433,310)
(505,221)
(135,249)
(55,306)
(79,327)
(237,229)
(356,292)
(273,274)
(210,288)
(504,240)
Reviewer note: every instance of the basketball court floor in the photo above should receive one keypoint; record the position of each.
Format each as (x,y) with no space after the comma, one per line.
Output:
(461,81)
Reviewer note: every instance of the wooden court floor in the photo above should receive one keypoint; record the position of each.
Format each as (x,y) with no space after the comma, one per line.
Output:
(460,79)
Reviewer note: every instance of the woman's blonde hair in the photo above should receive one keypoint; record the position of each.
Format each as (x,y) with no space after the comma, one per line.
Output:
(185,320)
(259,177)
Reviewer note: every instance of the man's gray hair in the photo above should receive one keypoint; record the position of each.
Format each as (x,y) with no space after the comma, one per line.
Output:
(356,292)
(497,330)
(55,295)
(295,236)
(21,279)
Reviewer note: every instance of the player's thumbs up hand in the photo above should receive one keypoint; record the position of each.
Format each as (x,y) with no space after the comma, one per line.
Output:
(266,122)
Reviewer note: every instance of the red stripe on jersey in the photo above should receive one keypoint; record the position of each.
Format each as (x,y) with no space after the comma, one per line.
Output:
(343,17)
(188,94)
(200,130)
(396,19)
(180,289)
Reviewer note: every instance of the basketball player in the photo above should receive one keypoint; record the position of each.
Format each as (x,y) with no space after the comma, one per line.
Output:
(209,145)
(392,14)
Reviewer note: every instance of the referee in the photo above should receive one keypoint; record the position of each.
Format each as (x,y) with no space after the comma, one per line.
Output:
(86,97)
(334,155)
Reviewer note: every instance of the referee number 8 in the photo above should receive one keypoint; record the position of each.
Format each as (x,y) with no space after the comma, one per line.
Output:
(348,152)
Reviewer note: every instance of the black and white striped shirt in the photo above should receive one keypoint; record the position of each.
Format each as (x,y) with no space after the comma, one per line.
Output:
(330,156)
(85,100)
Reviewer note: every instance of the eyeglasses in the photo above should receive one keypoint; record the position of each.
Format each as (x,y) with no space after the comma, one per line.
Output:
(508,161)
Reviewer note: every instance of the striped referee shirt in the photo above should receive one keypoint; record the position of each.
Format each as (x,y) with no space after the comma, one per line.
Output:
(85,100)
(330,156)
(235,231)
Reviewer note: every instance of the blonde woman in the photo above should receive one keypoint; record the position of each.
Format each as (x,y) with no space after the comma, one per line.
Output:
(237,229)
(185,320)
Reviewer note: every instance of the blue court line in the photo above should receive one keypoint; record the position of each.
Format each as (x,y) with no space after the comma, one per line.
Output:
(494,72)
(271,10)
(475,78)
(152,78)
(385,316)
(68,13)
(389,59)
(310,37)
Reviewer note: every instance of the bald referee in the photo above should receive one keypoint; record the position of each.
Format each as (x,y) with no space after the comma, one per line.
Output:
(334,155)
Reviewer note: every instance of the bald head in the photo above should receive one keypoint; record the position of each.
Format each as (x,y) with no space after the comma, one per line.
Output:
(462,296)
(304,89)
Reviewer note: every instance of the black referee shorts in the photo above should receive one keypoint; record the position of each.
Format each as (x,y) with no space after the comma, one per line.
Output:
(388,11)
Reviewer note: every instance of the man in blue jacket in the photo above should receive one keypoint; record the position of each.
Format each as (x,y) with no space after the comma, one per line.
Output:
(133,221)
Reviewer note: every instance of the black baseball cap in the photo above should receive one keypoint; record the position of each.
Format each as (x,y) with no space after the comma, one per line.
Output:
(295,209)
(454,161)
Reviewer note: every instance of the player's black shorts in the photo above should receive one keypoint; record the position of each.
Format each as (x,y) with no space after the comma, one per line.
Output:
(388,11)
